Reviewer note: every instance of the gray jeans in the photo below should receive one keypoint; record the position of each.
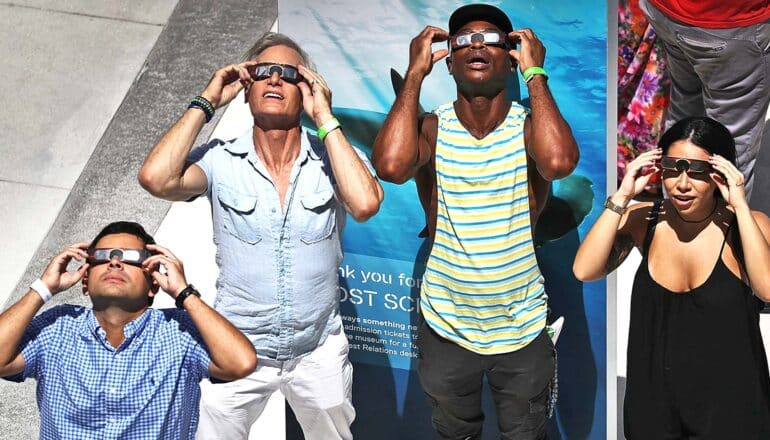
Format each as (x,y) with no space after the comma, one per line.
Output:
(522,385)
(719,73)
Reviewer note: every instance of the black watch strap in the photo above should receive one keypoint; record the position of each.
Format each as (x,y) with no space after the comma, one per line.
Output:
(187,291)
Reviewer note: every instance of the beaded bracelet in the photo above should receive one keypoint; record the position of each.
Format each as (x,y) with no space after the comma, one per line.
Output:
(204,105)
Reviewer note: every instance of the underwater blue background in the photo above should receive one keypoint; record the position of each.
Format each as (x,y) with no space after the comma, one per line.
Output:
(354,44)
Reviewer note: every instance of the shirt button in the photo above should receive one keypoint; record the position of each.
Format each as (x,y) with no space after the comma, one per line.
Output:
(272,209)
(113,390)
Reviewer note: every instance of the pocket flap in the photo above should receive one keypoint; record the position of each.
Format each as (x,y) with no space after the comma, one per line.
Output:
(236,200)
(317,199)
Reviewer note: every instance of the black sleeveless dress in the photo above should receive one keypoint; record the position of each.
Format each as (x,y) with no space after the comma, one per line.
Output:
(696,363)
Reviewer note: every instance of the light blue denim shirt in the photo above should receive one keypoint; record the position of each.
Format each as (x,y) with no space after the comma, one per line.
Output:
(278,279)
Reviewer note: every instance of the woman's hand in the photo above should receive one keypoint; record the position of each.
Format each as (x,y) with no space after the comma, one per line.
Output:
(729,180)
(638,174)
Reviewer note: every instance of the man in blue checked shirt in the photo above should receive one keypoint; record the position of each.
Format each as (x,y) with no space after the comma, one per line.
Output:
(119,370)
(279,198)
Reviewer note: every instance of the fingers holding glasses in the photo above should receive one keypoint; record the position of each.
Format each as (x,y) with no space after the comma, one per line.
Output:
(639,172)
(316,95)
(173,280)
(224,85)
(56,277)
(729,180)
(531,52)
(733,176)
(421,55)
(245,73)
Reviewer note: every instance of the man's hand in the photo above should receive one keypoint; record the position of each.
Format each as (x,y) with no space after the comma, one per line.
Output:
(316,96)
(421,56)
(56,277)
(227,82)
(173,280)
(531,51)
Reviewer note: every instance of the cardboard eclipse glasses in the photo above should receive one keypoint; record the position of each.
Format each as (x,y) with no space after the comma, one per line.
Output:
(489,38)
(287,72)
(134,257)
(679,164)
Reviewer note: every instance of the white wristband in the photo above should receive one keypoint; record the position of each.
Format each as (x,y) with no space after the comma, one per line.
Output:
(41,289)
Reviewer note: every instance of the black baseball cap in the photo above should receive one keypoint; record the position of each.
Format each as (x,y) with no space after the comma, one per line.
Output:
(488,13)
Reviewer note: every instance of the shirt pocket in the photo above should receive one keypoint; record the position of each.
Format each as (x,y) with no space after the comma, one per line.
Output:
(238,214)
(317,218)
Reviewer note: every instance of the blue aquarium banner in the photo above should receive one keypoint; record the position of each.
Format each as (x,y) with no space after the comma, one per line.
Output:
(361,48)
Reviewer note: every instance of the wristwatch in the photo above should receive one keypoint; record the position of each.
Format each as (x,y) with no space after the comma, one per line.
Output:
(614,207)
(187,291)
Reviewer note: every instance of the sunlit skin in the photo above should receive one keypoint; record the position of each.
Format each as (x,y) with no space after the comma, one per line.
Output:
(480,65)
(116,283)
(692,195)
(274,101)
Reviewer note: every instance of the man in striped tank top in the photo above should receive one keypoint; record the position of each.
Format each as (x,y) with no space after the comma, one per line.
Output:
(483,165)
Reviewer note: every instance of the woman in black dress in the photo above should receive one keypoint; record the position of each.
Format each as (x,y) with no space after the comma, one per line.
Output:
(697,368)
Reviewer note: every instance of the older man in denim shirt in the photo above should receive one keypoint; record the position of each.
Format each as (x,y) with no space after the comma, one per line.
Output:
(279,199)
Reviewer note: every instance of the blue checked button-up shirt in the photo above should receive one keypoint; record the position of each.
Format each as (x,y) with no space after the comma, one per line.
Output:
(277,267)
(88,390)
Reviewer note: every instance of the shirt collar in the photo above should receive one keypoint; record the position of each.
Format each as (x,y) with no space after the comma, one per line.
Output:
(310,147)
(92,328)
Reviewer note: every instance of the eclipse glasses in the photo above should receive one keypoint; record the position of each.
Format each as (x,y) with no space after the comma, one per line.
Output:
(127,256)
(489,38)
(263,71)
(680,164)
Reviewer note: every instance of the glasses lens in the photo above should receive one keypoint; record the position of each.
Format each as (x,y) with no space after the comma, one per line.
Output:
(128,256)
(290,74)
(462,41)
(287,73)
(492,38)
(699,166)
(668,163)
(679,164)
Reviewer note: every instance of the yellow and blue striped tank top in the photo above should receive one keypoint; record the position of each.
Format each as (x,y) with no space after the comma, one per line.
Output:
(482,287)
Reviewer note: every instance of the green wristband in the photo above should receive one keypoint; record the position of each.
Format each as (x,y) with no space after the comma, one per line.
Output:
(530,73)
(327,127)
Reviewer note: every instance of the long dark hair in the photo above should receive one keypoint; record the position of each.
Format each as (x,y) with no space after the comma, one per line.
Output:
(703,132)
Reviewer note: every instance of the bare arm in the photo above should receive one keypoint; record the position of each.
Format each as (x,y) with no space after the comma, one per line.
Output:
(610,239)
(754,226)
(400,148)
(547,135)
(232,354)
(165,172)
(13,323)
(358,190)
(15,320)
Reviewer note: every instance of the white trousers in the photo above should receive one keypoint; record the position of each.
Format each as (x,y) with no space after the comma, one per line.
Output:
(318,387)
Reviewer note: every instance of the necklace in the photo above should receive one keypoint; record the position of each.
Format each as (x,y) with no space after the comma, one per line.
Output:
(713,210)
